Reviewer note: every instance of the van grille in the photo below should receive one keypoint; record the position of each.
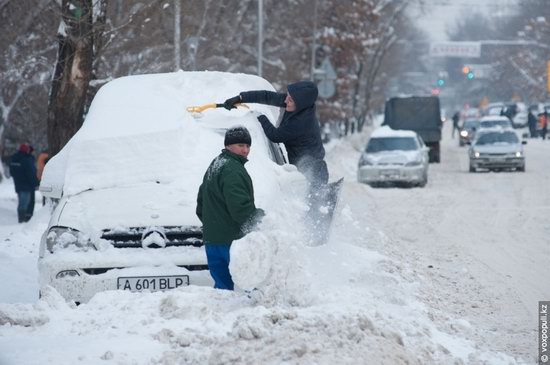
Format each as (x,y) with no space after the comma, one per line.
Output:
(175,236)
(103,270)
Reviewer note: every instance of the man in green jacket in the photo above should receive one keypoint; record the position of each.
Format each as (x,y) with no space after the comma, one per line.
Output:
(225,204)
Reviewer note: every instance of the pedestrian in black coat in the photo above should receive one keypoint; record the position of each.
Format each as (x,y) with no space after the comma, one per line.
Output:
(532,124)
(298,130)
(456,119)
(23,171)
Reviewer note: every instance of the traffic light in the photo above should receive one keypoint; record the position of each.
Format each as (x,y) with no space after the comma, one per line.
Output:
(440,82)
(466,70)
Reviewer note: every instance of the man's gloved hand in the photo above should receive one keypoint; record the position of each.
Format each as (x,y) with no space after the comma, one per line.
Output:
(263,119)
(230,103)
(258,115)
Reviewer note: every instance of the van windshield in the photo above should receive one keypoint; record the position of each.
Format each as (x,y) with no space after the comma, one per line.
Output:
(391,144)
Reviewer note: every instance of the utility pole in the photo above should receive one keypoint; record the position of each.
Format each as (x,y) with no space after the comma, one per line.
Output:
(260,35)
(314,42)
(193,45)
(177,35)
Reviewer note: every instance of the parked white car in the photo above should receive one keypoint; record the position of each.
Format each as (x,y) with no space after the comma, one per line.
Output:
(394,157)
(127,182)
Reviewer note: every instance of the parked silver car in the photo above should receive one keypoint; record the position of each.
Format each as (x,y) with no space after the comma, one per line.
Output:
(496,149)
(394,157)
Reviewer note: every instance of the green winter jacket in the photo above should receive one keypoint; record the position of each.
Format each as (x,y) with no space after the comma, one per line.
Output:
(225,202)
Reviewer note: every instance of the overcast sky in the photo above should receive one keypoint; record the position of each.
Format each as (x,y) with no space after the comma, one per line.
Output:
(437,15)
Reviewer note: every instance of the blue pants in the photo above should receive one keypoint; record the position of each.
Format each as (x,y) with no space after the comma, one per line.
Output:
(25,205)
(218,263)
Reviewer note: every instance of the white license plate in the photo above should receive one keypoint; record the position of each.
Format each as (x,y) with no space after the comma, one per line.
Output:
(390,173)
(152,283)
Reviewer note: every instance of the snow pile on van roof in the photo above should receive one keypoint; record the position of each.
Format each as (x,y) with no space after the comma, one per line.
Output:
(138,130)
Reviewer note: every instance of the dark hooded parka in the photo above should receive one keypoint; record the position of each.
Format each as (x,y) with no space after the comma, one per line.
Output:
(23,169)
(299,130)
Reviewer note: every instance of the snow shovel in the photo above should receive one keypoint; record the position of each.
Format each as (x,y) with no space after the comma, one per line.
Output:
(197,110)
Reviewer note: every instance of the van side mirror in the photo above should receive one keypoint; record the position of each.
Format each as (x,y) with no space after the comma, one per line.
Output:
(50,191)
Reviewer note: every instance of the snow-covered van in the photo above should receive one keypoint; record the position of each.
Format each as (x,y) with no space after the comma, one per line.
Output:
(126,183)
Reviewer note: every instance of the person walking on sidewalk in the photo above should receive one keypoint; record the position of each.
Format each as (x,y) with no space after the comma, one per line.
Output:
(225,204)
(543,121)
(532,123)
(456,127)
(298,130)
(23,171)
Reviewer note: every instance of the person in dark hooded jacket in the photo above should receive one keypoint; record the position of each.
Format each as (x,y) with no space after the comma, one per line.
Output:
(23,171)
(298,130)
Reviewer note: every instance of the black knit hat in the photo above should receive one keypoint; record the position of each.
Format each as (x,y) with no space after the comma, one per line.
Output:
(236,135)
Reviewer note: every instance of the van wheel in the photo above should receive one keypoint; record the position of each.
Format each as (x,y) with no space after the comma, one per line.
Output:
(472,169)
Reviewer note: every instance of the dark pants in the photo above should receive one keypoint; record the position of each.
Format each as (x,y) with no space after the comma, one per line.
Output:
(455,128)
(25,206)
(315,171)
(218,264)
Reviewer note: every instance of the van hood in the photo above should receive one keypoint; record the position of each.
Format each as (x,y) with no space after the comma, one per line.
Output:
(124,207)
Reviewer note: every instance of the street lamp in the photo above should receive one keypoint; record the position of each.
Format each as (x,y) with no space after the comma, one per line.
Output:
(177,34)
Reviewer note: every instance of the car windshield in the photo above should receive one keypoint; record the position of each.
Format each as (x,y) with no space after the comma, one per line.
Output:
(495,110)
(495,123)
(471,124)
(391,144)
(497,137)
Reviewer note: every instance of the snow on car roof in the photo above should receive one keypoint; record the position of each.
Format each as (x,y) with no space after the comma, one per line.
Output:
(495,118)
(386,131)
(138,130)
(495,129)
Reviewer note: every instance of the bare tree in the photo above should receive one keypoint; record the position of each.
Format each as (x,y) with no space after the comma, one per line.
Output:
(73,72)
(357,36)
(25,68)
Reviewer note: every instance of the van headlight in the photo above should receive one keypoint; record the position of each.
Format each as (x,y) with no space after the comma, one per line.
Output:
(464,133)
(519,154)
(365,161)
(67,238)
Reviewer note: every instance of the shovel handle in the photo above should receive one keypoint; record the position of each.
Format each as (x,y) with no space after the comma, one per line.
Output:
(201,108)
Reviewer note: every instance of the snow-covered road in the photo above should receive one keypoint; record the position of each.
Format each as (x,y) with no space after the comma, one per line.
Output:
(449,273)
(479,242)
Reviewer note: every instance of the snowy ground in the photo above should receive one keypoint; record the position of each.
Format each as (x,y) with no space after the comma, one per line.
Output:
(451,273)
